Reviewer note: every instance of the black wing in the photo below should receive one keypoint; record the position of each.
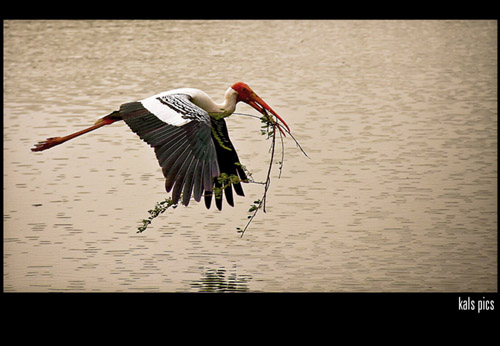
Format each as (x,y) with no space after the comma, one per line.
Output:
(186,153)
(193,155)
(229,163)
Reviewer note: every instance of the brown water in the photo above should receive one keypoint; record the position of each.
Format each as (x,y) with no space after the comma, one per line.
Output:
(399,119)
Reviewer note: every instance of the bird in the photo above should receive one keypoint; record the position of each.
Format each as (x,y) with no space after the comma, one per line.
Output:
(188,133)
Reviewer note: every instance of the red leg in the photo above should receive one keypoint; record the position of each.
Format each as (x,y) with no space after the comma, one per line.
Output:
(53,141)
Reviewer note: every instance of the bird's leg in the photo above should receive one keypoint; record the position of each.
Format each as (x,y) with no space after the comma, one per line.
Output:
(53,141)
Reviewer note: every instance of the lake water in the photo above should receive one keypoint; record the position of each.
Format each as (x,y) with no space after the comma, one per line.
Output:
(399,119)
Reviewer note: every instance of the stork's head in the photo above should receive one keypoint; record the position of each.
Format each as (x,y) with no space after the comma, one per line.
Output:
(247,95)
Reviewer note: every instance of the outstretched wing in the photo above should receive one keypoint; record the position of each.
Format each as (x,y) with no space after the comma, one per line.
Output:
(229,164)
(180,132)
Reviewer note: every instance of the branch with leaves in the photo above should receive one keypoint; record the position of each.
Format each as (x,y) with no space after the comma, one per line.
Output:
(159,208)
(269,129)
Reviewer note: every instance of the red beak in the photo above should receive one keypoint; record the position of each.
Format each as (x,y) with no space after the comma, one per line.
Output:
(247,95)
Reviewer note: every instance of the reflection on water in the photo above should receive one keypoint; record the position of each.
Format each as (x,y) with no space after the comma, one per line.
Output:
(215,280)
(399,119)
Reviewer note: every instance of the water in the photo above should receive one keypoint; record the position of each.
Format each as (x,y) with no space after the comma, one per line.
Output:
(399,119)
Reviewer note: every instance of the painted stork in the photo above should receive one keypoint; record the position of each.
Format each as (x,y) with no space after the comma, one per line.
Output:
(188,132)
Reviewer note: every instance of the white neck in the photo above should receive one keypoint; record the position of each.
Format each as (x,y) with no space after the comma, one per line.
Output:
(204,101)
(230,100)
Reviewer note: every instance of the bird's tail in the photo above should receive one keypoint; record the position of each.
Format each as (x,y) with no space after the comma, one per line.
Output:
(109,119)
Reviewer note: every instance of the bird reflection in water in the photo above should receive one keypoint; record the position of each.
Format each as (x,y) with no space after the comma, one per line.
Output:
(215,280)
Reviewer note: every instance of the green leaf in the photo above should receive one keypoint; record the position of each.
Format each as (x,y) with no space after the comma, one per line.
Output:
(160,208)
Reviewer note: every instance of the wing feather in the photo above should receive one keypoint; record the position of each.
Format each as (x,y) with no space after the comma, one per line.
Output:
(179,167)
(198,181)
(182,176)
(188,183)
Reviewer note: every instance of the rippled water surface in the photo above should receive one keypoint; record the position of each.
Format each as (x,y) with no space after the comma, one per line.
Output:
(399,119)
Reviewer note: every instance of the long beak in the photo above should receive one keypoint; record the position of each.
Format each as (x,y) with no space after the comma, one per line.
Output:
(259,104)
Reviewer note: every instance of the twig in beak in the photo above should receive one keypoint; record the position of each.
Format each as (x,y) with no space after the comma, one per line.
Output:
(269,121)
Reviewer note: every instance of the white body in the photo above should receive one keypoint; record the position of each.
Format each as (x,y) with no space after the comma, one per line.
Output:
(198,97)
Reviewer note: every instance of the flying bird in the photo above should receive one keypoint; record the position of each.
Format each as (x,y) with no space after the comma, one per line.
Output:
(188,132)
